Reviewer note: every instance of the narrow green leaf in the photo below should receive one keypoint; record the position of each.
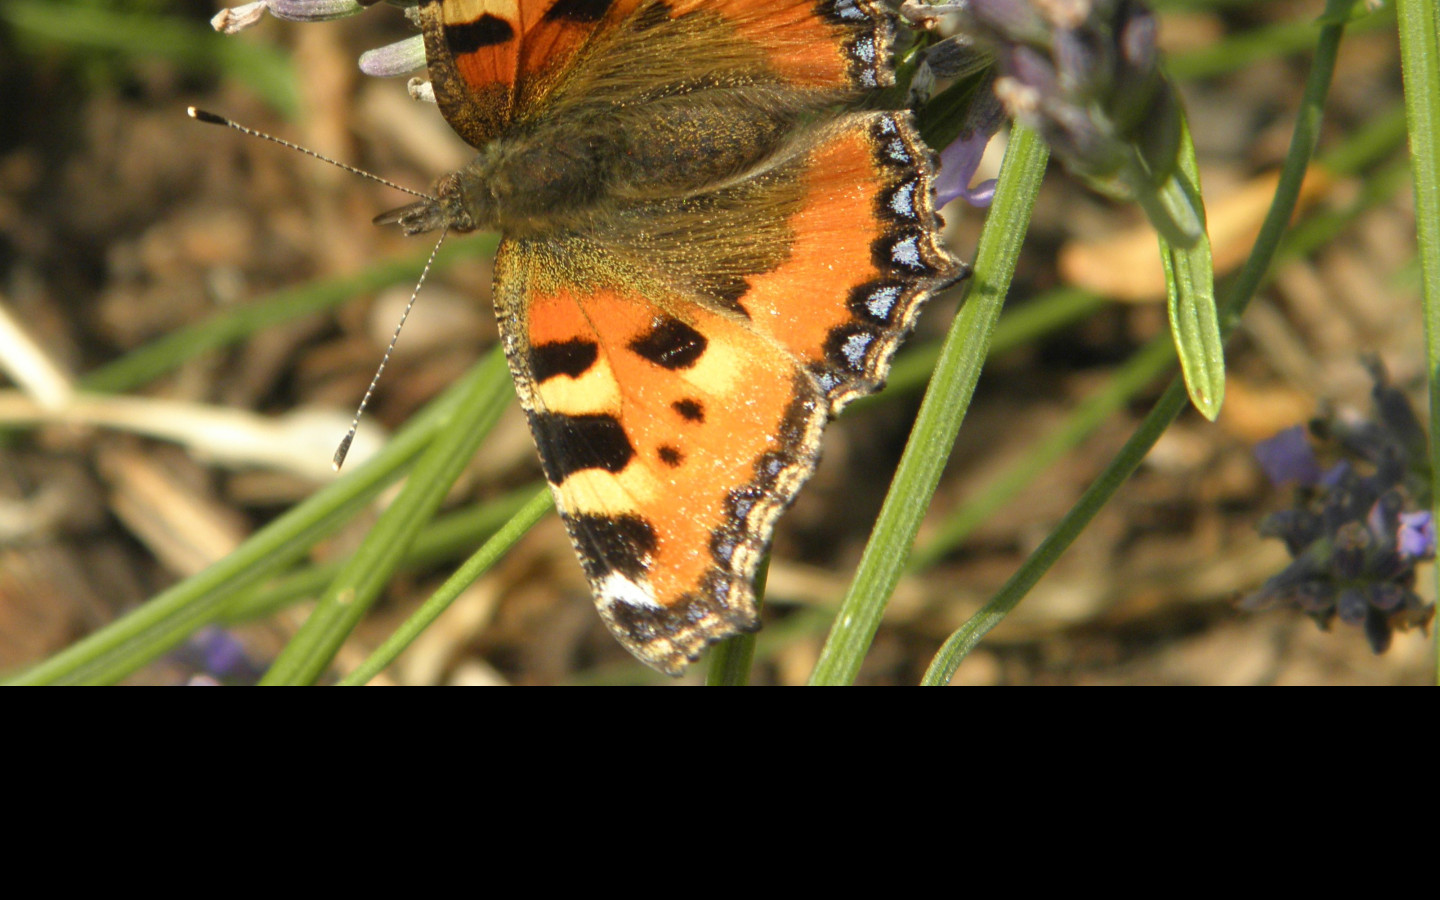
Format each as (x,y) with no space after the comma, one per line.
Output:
(1420,63)
(1190,295)
(444,540)
(1257,45)
(305,658)
(1141,370)
(944,117)
(478,564)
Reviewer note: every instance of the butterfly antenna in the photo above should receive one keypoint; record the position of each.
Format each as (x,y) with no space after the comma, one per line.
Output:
(213,119)
(344,449)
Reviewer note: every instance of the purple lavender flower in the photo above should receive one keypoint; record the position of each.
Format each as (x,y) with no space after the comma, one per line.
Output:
(1288,457)
(1355,532)
(958,163)
(961,158)
(1415,538)
(1085,75)
(219,656)
(973,94)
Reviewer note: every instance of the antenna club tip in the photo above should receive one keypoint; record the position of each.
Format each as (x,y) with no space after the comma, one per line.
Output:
(203,116)
(342,451)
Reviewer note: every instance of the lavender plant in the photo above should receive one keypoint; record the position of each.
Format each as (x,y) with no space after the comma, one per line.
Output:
(1358,528)
(1085,75)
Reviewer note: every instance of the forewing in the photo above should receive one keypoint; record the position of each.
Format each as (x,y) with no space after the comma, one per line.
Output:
(489,59)
(494,62)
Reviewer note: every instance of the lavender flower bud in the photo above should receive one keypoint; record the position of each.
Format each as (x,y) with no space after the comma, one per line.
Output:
(1315,597)
(219,656)
(1352,607)
(1385,597)
(1298,528)
(1085,75)
(399,58)
(1011,17)
(238,18)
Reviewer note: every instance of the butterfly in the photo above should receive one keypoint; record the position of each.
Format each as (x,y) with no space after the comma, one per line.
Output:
(710,246)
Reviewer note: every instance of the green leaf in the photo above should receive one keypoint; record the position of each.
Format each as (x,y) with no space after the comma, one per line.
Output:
(305,658)
(1339,12)
(478,564)
(1190,296)
(445,540)
(1420,62)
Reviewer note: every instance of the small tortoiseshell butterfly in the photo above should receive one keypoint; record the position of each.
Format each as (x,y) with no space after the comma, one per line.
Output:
(710,248)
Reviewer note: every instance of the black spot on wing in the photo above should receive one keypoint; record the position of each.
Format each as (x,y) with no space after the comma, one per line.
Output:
(670,344)
(572,358)
(623,544)
(689,410)
(670,456)
(477,34)
(577,10)
(570,444)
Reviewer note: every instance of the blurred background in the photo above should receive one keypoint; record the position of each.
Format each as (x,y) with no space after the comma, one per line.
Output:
(124,223)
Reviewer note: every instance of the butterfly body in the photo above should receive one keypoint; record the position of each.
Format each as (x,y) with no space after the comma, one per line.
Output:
(710,248)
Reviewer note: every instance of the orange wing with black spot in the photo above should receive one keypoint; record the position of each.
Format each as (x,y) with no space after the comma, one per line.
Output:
(675,420)
(490,58)
(493,62)
(814,44)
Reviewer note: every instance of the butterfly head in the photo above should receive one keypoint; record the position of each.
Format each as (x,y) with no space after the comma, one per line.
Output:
(448,208)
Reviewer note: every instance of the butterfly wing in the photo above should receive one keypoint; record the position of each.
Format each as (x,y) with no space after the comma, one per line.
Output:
(490,58)
(678,365)
(495,62)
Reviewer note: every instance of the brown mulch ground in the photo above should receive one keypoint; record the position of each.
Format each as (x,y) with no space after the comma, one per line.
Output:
(121,220)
